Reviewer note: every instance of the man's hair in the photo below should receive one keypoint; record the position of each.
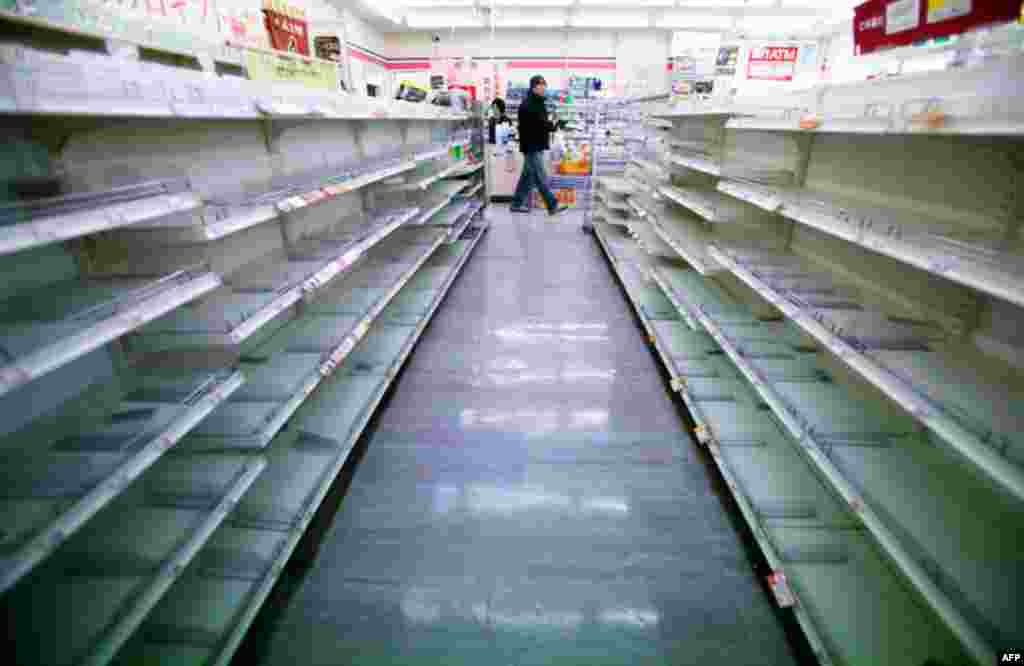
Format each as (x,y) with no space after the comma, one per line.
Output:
(535,80)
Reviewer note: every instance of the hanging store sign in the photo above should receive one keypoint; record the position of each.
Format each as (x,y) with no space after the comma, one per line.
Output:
(772,63)
(286,27)
(328,47)
(881,24)
(726,60)
(265,66)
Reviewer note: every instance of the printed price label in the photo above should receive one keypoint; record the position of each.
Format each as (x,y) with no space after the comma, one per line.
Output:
(942,10)
(781,590)
(902,15)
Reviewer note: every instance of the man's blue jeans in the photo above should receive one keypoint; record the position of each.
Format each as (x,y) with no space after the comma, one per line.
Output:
(533,175)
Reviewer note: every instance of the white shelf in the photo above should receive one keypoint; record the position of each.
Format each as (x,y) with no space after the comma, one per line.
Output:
(466,219)
(163,521)
(474,190)
(34,82)
(38,346)
(468,170)
(818,452)
(696,163)
(803,531)
(711,205)
(270,293)
(932,245)
(65,218)
(296,364)
(671,339)
(283,501)
(448,192)
(980,100)
(620,205)
(619,187)
(219,221)
(922,402)
(425,183)
(650,166)
(686,237)
(81,475)
(637,209)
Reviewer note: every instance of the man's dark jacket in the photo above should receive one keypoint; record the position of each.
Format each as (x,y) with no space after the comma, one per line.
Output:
(534,127)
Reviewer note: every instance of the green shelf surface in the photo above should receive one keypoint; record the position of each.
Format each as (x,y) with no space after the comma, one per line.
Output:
(60,472)
(124,560)
(208,610)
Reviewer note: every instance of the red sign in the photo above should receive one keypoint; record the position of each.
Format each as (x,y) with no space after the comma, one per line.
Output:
(772,63)
(286,33)
(880,24)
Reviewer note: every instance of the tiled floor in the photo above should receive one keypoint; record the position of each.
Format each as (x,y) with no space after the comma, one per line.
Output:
(530,495)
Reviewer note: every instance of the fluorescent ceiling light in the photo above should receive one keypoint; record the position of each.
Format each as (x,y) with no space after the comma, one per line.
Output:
(528,3)
(686,20)
(627,3)
(823,4)
(717,4)
(530,23)
(611,20)
(513,18)
(442,20)
(777,25)
(436,3)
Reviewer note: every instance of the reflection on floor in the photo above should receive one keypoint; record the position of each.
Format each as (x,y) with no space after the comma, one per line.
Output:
(530,495)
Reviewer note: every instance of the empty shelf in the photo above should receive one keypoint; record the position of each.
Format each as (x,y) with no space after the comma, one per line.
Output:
(471,214)
(979,260)
(711,205)
(466,170)
(824,417)
(441,196)
(339,320)
(207,612)
(983,100)
(422,179)
(222,217)
(39,82)
(618,187)
(36,223)
(617,204)
(696,163)
(777,491)
(103,582)
(651,167)
(810,122)
(631,265)
(296,360)
(35,342)
(261,292)
(213,223)
(687,237)
(932,380)
(50,493)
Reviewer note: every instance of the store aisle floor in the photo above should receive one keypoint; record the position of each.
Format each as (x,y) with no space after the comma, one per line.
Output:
(530,495)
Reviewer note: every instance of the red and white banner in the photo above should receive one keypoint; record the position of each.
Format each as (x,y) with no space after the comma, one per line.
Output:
(880,24)
(772,63)
(287,33)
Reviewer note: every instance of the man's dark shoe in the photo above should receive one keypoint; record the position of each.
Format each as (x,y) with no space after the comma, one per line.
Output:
(557,210)
(516,209)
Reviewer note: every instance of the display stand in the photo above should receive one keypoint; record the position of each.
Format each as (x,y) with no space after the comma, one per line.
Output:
(854,369)
(201,319)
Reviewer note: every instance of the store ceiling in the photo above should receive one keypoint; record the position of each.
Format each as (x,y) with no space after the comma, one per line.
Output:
(754,17)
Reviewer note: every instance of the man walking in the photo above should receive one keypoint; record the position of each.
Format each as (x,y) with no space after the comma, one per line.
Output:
(534,138)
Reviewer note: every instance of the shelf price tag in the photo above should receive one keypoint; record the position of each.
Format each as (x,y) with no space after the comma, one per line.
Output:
(781,590)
